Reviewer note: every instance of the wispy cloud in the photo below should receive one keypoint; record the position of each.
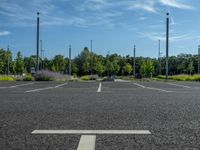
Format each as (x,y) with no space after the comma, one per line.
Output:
(176,4)
(3,33)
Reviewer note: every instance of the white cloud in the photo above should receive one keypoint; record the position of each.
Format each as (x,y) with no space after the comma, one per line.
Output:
(176,4)
(3,33)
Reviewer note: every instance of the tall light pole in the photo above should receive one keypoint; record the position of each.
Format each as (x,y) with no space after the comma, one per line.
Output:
(167,46)
(70,63)
(199,59)
(8,61)
(159,55)
(41,54)
(134,68)
(91,58)
(37,40)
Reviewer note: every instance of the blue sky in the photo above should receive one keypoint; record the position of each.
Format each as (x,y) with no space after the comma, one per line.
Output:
(113,25)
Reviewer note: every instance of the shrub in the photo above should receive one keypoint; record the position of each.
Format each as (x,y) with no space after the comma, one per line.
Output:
(7,78)
(91,77)
(28,78)
(46,75)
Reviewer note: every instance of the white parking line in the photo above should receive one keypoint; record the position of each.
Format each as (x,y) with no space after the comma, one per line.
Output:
(60,85)
(178,85)
(151,88)
(19,85)
(91,132)
(46,88)
(41,89)
(99,89)
(87,142)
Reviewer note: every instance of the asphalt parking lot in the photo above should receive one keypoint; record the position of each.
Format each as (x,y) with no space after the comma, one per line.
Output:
(169,111)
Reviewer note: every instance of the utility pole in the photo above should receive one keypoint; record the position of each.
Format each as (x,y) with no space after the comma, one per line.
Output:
(43,59)
(167,46)
(91,58)
(134,68)
(108,64)
(199,59)
(41,66)
(159,56)
(70,63)
(37,41)
(8,61)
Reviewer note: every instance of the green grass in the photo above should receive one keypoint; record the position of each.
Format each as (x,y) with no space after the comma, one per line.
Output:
(182,77)
(7,78)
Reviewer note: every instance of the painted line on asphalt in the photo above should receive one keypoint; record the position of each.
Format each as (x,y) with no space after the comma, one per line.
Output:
(140,85)
(60,85)
(92,132)
(179,85)
(151,88)
(87,142)
(99,89)
(41,89)
(46,88)
(18,85)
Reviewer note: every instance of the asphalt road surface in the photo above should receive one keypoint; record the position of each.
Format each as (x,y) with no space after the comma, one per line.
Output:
(169,112)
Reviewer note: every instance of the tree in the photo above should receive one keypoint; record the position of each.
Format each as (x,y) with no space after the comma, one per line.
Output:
(19,64)
(128,68)
(147,68)
(99,68)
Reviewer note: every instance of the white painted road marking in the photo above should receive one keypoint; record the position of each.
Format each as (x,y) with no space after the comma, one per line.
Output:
(151,88)
(87,142)
(91,132)
(60,85)
(18,85)
(42,89)
(99,89)
(178,85)
(46,88)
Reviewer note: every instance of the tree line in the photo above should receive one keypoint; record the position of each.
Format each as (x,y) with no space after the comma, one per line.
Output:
(86,63)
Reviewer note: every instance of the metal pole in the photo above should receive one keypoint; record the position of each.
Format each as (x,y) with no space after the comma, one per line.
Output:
(43,58)
(108,64)
(199,60)
(91,59)
(167,46)
(159,55)
(70,64)
(134,67)
(37,44)
(8,61)
(41,54)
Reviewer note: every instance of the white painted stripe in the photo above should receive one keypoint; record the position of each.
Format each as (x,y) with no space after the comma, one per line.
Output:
(91,132)
(151,88)
(41,89)
(60,85)
(99,89)
(161,90)
(140,85)
(87,142)
(46,88)
(178,85)
(14,86)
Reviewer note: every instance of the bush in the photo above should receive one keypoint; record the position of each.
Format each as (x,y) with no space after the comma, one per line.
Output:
(7,78)
(182,77)
(91,77)
(28,78)
(46,75)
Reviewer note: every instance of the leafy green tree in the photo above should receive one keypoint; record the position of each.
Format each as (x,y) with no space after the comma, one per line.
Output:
(99,68)
(128,68)
(19,64)
(60,63)
(147,68)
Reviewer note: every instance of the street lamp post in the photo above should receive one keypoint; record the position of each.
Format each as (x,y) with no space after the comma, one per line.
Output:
(70,64)
(37,41)
(199,59)
(8,61)
(91,58)
(167,45)
(134,65)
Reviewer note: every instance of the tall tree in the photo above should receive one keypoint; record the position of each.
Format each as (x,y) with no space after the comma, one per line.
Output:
(19,63)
